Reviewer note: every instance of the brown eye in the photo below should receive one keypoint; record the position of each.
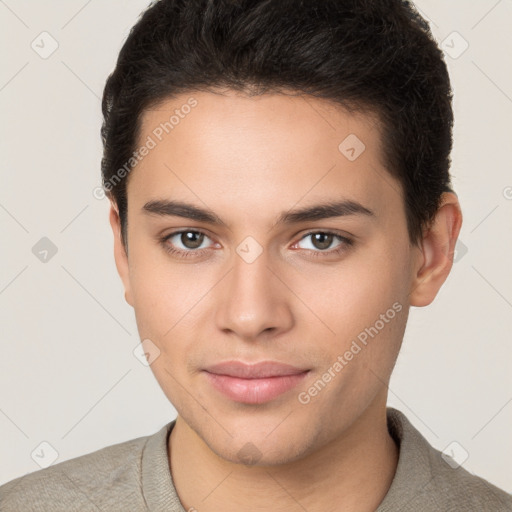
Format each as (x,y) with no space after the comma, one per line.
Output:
(321,244)
(191,239)
(185,243)
(322,240)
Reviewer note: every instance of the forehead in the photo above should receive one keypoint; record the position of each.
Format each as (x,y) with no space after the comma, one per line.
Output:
(268,149)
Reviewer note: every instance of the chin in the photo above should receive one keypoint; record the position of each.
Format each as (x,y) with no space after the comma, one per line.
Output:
(258,450)
(251,456)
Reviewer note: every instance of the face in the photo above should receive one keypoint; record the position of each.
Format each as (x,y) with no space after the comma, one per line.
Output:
(325,292)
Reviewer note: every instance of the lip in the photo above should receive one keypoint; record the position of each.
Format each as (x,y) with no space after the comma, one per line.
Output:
(260,370)
(254,383)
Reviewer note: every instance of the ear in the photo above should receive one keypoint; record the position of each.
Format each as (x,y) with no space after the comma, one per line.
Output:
(436,251)
(120,255)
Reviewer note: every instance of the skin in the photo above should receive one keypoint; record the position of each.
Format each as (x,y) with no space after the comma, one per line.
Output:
(248,159)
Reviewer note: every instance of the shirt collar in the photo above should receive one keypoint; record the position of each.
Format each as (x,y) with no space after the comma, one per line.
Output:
(157,485)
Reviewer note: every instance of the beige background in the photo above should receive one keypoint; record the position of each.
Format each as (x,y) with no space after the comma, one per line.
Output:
(68,375)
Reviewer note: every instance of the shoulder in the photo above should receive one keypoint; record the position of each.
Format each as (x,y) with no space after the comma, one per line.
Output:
(427,479)
(95,481)
(455,488)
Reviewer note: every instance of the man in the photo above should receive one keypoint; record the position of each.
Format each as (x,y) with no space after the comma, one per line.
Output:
(280,196)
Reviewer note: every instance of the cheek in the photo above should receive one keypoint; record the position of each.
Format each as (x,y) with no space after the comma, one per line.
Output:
(367,309)
(163,292)
(349,296)
(165,314)
(364,301)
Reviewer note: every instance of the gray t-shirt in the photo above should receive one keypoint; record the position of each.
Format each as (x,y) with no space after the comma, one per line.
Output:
(135,476)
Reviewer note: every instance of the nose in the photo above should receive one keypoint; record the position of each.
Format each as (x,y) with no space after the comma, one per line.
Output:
(254,302)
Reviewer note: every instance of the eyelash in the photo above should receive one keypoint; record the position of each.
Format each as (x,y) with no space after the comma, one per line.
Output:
(347,242)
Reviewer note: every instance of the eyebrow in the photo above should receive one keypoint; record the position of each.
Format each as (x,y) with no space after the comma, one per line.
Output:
(165,207)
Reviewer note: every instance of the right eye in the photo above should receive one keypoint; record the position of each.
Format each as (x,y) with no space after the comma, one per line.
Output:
(190,240)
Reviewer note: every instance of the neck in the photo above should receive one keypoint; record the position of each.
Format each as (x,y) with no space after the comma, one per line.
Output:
(351,473)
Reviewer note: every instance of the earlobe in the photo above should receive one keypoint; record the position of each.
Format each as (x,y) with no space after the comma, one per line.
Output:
(120,256)
(437,250)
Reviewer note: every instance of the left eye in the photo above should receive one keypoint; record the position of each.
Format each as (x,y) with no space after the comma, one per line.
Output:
(322,240)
